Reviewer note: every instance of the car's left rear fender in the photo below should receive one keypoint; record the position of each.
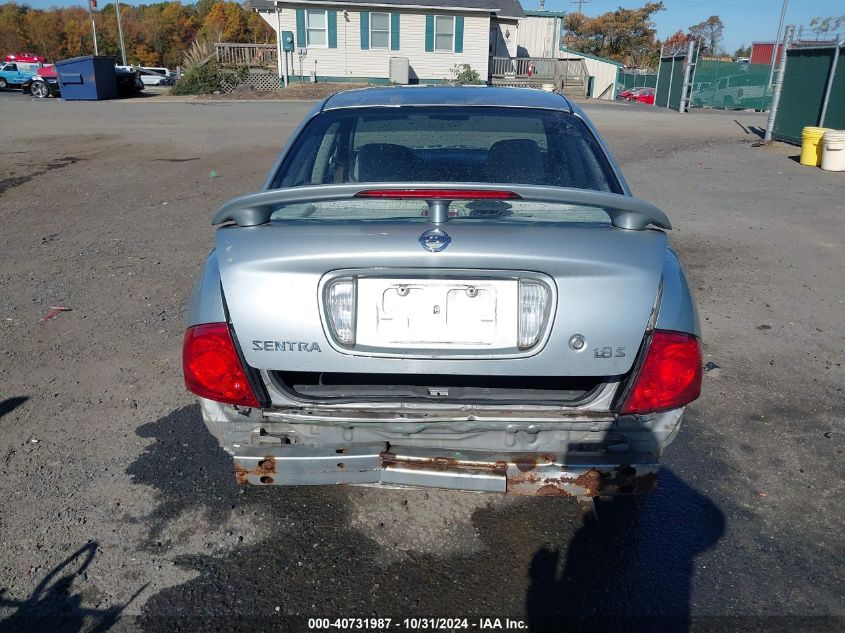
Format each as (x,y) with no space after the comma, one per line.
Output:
(206,304)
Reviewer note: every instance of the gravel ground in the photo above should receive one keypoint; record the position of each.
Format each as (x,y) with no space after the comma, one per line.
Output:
(117,509)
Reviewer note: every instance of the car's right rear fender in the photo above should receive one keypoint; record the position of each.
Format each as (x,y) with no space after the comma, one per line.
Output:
(677,311)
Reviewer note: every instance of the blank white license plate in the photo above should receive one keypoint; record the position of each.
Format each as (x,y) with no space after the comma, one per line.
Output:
(437,313)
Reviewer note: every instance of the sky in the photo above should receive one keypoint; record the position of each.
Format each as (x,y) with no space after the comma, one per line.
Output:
(745,21)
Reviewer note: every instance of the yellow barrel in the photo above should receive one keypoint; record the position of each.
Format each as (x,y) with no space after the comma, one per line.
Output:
(811,148)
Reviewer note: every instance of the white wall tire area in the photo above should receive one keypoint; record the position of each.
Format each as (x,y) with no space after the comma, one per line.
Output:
(4,85)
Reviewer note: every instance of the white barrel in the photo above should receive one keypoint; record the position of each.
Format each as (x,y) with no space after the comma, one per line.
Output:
(833,150)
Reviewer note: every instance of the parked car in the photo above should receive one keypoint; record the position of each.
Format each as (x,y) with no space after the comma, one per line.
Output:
(14,74)
(161,70)
(631,94)
(152,78)
(148,76)
(625,94)
(129,82)
(643,95)
(446,287)
(734,92)
(43,84)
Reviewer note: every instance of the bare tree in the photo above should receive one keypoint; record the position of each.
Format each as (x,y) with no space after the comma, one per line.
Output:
(826,24)
(710,32)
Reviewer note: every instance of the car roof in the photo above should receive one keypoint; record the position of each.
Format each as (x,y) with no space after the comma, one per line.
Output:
(394,96)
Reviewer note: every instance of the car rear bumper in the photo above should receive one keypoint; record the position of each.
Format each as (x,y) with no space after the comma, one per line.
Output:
(399,467)
(574,453)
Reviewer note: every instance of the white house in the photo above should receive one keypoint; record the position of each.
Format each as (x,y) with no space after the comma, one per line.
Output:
(354,41)
(541,35)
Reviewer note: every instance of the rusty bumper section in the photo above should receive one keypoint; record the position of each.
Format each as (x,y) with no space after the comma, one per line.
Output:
(512,473)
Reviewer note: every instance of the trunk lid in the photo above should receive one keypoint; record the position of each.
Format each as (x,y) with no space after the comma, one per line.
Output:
(603,282)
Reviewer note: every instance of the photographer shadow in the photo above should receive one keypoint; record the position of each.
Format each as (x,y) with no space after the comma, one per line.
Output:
(630,570)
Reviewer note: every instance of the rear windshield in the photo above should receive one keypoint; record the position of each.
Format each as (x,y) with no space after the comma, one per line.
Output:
(447,144)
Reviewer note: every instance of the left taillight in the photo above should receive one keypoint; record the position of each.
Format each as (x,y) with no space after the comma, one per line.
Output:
(212,366)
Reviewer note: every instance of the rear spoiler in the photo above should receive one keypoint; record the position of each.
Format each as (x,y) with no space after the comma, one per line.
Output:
(625,212)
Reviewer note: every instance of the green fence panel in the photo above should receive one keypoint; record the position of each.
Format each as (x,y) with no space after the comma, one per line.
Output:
(670,82)
(731,86)
(802,95)
(835,117)
(637,80)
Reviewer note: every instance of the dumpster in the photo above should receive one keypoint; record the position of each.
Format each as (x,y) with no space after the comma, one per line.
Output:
(87,78)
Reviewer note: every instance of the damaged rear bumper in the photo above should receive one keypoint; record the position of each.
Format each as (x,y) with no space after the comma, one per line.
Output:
(545,474)
(536,452)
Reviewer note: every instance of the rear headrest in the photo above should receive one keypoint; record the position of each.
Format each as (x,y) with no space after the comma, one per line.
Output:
(517,161)
(383,162)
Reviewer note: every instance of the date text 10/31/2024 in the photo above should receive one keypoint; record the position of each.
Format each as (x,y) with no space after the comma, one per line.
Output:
(415,624)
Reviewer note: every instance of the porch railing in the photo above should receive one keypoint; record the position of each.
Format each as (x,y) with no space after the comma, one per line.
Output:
(536,70)
(245,54)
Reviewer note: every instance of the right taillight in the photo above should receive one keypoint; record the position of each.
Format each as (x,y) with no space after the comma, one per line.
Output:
(670,376)
(533,303)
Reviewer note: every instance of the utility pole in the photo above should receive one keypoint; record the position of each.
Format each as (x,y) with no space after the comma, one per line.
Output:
(92,4)
(777,44)
(120,31)
(580,4)
(279,50)
(773,110)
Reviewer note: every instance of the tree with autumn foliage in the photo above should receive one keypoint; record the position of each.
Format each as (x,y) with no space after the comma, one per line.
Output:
(154,34)
(626,35)
(675,42)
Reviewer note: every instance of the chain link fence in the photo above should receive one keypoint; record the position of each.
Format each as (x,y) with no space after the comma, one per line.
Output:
(730,85)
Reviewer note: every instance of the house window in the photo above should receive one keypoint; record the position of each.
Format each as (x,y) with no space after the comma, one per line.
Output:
(444,33)
(316,24)
(379,30)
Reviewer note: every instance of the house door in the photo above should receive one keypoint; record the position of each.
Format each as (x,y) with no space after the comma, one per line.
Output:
(494,41)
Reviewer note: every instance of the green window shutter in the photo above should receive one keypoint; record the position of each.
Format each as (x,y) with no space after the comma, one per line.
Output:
(459,34)
(365,30)
(300,29)
(332,29)
(429,33)
(394,31)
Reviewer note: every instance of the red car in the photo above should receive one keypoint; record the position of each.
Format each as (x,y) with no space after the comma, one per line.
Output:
(642,95)
(24,58)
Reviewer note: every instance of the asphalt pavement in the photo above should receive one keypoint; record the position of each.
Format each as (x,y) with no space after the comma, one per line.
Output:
(117,508)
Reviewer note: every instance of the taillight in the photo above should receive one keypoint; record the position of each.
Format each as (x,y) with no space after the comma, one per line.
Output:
(670,376)
(533,302)
(212,366)
(340,299)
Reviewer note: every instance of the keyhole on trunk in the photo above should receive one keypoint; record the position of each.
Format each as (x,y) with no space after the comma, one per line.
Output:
(436,309)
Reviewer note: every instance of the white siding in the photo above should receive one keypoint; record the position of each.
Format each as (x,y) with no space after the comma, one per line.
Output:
(539,37)
(605,75)
(503,37)
(348,60)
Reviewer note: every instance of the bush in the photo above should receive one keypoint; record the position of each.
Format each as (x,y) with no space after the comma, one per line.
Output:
(464,74)
(207,79)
